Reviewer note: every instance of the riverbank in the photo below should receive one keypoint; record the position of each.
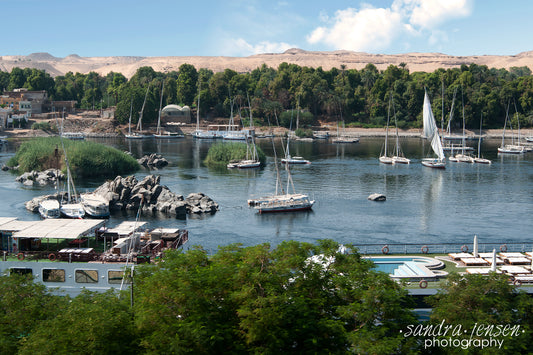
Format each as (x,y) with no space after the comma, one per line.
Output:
(97,127)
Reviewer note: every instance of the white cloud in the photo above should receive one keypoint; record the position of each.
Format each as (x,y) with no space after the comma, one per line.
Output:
(432,13)
(370,28)
(367,29)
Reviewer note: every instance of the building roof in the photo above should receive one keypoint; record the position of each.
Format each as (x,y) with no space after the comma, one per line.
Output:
(176,108)
(126,228)
(60,228)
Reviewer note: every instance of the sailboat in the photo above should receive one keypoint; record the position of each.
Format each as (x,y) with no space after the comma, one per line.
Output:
(430,131)
(288,158)
(231,133)
(509,148)
(284,201)
(139,134)
(384,158)
(71,207)
(251,160)
(479,159)
(159,133)
(398,157)
(462,157)
(199,133)
(342,138)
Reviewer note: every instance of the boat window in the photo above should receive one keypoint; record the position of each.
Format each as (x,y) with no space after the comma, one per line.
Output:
(115,277)
(86,276)
(21,271)
(53,275)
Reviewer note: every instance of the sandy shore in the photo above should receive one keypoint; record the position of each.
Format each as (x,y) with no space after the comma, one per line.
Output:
(112,131)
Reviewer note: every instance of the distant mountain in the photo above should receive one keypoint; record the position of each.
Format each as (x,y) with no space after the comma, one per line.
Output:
(426,62)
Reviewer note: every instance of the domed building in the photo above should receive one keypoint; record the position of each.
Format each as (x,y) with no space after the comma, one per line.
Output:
(176,113)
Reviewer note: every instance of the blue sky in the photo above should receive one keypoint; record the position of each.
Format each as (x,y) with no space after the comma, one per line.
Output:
(246,27)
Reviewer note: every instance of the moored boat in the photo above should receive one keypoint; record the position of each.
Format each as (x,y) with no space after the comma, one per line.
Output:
(95,206)
(431,131)
(49,209)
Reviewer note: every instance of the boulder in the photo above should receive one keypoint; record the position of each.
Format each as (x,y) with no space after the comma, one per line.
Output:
(377,197)
(49,176)
(153,161)
(127,194)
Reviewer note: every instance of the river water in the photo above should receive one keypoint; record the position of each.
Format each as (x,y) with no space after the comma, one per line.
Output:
(425,206)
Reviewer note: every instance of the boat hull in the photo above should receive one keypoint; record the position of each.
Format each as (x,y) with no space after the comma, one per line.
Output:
(285,208)
(435,164)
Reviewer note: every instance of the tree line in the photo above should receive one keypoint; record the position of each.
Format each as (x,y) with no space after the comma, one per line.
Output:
(357,97)
(296,298)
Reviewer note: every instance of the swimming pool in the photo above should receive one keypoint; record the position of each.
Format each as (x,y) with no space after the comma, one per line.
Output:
(409,267)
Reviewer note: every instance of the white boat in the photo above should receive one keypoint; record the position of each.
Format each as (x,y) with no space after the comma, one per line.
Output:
(320,135)
(248,164)
(294,160)
(342,137)
(430,130)
(95,205)
(73,135)
(71,207)
(284,201)
(479,159)
(510,148)
(231,133)
(139,133)
(462,157)
(529,139)
(290,160)
(384,157)
(49,209)
(159,132)
(251,160)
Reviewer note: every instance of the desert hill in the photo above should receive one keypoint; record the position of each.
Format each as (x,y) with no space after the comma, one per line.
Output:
(426,62)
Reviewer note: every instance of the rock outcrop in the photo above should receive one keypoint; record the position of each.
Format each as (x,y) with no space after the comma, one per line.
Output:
(49,176)
(153,160)
(128,193)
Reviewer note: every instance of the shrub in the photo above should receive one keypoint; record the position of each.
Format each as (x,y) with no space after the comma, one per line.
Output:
(304,133)
(220,154)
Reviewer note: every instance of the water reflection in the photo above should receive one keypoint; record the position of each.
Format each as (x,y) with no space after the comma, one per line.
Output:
(423,205)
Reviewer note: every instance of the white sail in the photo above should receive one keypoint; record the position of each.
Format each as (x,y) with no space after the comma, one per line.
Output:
(428,120)
(437,145)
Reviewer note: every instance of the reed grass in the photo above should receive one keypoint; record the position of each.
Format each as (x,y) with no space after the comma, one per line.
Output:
(220,154)
(86,159)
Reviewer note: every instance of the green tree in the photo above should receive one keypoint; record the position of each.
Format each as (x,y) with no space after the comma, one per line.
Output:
(295,298)
(480,301)
(23,305)
(186,84)
(93,323)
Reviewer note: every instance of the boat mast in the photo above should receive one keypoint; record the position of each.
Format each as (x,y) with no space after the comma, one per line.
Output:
(140,124)
(198,107)
(479,138)
(129,121)
(463,140)
(160,105)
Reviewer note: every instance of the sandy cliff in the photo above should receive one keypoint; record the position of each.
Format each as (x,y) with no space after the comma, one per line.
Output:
(128,65)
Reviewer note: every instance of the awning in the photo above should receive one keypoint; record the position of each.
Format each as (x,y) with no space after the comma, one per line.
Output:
(59,228)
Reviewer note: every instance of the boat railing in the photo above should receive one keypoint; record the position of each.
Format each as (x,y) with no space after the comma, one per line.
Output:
(441,248)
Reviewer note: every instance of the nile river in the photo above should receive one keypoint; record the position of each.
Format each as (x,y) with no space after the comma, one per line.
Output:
(424,206)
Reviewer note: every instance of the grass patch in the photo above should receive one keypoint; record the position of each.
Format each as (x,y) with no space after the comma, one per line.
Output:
(220,154)
(86,159)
